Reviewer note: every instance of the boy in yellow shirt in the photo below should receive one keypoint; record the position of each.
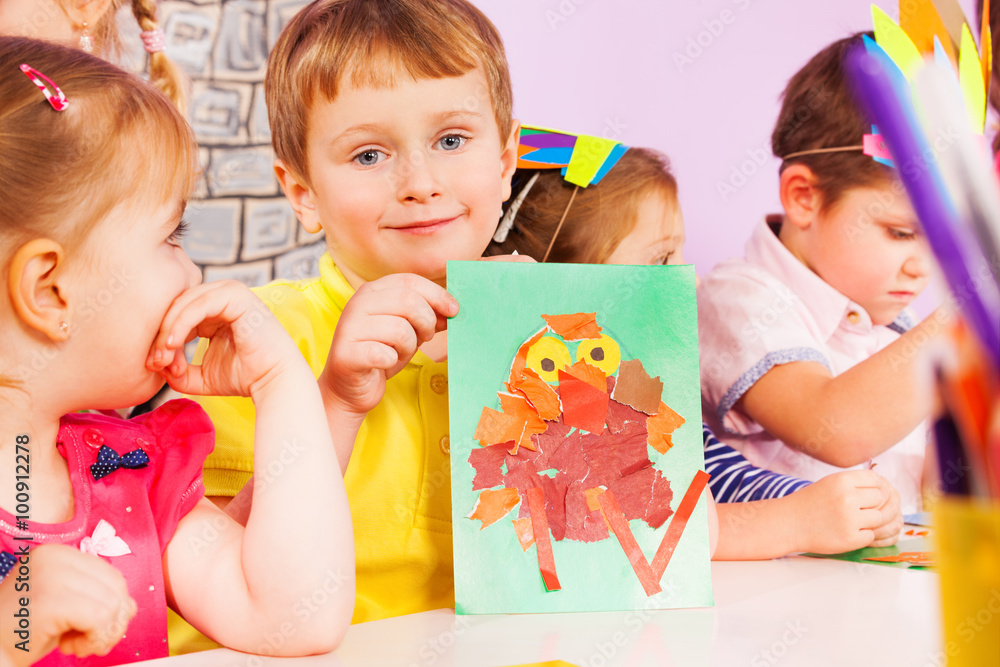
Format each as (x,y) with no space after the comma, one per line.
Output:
(392,129)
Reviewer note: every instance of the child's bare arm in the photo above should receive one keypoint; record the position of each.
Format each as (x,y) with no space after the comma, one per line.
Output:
(841,512)
(236,584)
(848,419)
(378,333)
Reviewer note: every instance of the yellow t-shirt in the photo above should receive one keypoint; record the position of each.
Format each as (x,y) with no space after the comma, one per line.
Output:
(398,479)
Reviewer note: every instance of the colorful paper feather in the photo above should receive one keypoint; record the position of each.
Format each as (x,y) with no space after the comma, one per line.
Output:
(583,159)
(925,30)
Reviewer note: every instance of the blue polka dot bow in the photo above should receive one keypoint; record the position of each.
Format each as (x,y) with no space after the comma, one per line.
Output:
(108,461)
(7,562)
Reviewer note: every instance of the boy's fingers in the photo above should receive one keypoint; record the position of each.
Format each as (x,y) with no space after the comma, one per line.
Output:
(399,304)
(388,330)
(886,541)
(436,296)
(508,258)
(865,537)
(870,519)
(888,530)
(421,314)
(380,356)
(890,494)
(868,498)
(866,478)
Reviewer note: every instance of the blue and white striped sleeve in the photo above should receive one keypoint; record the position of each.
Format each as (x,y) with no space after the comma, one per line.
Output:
(735,480)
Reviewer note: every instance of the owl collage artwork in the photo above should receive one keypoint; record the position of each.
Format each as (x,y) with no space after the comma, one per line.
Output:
(581,474)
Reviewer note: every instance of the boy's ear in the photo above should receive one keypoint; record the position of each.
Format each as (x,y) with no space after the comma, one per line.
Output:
(299,196)
(800,197)
(33,286)
(508,159)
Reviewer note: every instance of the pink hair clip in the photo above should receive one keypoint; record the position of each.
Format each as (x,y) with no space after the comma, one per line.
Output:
(153,40)
(57,99)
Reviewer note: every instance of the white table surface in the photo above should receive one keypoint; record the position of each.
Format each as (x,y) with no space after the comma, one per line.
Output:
(792,611)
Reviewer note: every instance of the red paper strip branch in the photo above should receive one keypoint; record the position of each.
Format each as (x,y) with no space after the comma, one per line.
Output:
(619,524)
(543,545)
(650,575)
(676,527)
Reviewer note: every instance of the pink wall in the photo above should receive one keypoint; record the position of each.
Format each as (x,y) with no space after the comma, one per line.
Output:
(698,80)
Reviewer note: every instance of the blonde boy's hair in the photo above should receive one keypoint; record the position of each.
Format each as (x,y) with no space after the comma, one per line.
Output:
(371,43)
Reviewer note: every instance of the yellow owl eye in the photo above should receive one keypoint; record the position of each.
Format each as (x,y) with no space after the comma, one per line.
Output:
(547,357)
(601,352)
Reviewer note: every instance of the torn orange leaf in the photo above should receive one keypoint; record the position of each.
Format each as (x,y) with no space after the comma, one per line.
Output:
(521,358)
(525,440)
(539,393)
(594,503)
(518,406)
(660,427)
(525,536)
(494,504)
(495,427)
(574,327)
(593,495)
(592,375)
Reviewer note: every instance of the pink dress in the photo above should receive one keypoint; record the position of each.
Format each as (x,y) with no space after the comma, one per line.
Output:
(126,509)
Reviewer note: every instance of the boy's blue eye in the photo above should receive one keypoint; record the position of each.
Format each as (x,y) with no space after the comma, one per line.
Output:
(452,142)
(368,157)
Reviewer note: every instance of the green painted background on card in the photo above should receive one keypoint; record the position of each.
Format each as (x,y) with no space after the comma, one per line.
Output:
(651,312)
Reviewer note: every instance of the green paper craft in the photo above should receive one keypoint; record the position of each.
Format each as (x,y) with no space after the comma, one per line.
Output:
(647,314)
(859,555)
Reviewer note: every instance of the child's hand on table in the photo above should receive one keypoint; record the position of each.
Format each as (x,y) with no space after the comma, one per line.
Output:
(888,533)
(847,511)
(79,603)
